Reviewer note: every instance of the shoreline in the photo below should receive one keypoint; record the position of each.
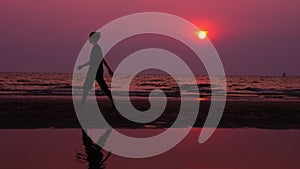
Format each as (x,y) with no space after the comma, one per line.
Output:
(58,112)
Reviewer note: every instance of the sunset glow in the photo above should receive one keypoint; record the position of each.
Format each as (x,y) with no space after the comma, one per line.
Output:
(202,99)
(202,34)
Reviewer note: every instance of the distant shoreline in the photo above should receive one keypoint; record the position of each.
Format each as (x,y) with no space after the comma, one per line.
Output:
(227,75)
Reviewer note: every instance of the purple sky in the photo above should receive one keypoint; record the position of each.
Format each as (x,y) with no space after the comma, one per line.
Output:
(253,37)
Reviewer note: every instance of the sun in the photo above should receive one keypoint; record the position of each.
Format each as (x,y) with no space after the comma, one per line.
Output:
(202,34)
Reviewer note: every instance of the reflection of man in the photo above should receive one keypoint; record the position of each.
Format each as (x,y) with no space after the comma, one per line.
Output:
(93,152)
(95,65)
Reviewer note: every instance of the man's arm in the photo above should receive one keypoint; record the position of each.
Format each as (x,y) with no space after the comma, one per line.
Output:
(108,68)
(83,65)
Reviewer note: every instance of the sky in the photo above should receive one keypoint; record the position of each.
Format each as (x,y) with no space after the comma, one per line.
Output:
(252,37)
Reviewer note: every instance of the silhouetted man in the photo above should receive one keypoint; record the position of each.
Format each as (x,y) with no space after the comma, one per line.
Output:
(95,65)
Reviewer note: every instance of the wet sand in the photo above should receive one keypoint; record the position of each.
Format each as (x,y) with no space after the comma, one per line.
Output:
(58,112)
(227,148)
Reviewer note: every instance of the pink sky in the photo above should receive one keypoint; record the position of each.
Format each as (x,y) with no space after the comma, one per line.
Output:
(253,37)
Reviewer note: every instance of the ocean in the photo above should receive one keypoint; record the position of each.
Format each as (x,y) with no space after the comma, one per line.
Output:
(259,127)
(264,88)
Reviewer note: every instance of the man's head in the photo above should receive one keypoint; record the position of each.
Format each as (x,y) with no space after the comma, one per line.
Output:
(94,37)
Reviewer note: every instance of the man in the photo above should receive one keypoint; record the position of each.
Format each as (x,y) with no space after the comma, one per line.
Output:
(95,69)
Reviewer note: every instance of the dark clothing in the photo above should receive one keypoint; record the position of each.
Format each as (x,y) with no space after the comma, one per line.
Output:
(95,68)
(101,82)
(96,64)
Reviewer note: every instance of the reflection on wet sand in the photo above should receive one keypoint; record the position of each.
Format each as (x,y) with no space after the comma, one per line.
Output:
(227,148)
(93,153)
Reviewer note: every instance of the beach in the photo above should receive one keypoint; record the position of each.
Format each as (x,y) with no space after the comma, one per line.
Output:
(259,128)
(227,148)
(58,112)
(150,84)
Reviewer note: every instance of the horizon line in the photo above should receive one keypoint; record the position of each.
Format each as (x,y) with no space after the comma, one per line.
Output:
(146,73)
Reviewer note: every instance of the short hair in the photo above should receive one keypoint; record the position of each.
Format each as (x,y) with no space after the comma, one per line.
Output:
(91,34)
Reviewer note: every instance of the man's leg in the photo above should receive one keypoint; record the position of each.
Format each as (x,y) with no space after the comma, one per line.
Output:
(104,87)
(84,96)
(87,86)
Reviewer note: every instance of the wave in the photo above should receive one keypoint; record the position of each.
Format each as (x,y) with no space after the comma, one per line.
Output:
(237,86)
(39,84)
(23,80)
(272,91)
